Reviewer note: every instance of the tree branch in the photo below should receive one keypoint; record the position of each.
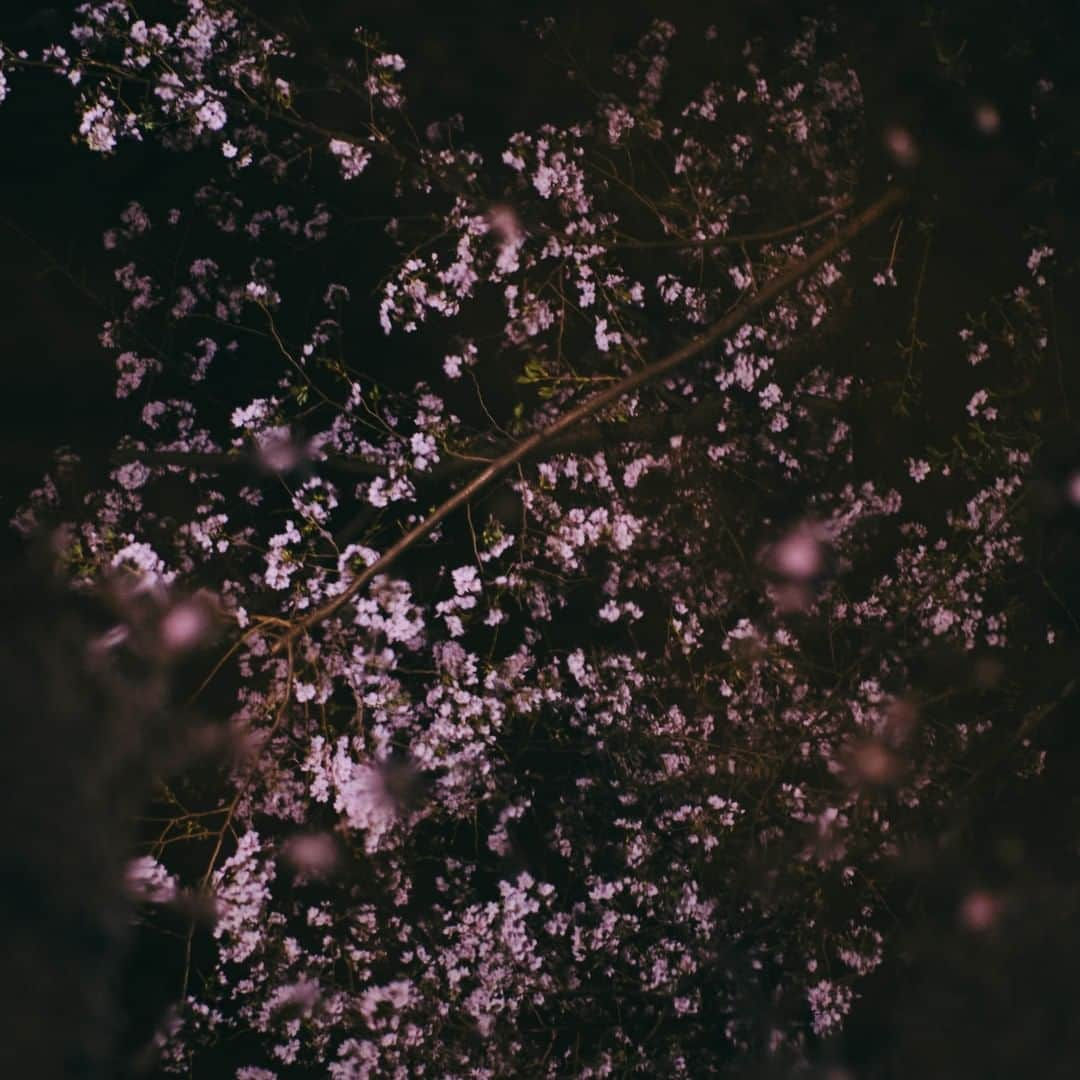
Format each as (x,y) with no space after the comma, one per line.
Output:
(773,288)
(738,238)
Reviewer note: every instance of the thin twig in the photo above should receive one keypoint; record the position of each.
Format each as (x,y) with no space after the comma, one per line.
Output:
(739,238)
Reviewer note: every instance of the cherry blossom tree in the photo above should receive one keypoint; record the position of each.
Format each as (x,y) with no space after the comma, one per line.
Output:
(577,658)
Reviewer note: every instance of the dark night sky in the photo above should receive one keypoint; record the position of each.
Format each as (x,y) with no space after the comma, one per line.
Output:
(57,198)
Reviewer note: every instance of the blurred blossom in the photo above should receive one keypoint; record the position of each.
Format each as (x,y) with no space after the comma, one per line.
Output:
(902,146)
(278,451)
(980,911)
(314,855)
(505,223)
(987,118)
(185,626)
(873,763)
(1073,488)
(147,880)
(800,555)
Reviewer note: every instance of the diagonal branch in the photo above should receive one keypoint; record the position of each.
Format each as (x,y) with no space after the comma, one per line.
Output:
(588,438)
(773,288)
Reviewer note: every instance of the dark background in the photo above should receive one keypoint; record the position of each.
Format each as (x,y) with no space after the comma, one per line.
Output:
(946,1004)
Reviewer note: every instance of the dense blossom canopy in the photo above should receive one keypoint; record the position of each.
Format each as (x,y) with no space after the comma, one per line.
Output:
(603,775)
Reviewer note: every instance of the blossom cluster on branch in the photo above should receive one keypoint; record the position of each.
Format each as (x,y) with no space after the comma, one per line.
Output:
(605,775)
